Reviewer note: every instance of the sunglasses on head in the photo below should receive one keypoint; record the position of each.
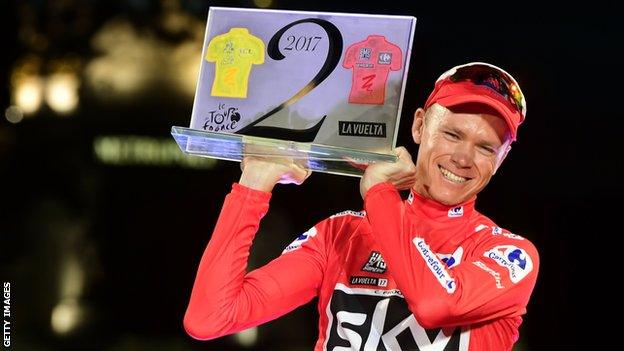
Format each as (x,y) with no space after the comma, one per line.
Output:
(490,76)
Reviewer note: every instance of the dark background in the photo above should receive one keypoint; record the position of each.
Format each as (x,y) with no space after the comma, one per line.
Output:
(116,244)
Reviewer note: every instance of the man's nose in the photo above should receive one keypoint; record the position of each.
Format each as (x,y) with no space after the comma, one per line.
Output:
(463,155)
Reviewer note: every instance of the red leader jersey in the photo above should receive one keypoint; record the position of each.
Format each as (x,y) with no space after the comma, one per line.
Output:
(404,275)
(371,61)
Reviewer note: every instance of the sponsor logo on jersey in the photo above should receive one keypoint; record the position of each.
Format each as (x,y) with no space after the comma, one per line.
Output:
(375,263)
(480,227)
(512,236)
(385,58)
(453,259)
(435,265)
(364,65)
(499,231)
(300,240)
(372,281)
(410,198)
(495,274)
(456,211)
(365,53)
(348,213)
(515,259)
(366,319)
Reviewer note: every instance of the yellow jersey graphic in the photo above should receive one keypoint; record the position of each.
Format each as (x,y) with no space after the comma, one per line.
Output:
(233,53)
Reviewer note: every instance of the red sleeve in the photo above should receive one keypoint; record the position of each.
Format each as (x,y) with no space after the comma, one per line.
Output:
(397,60)
(490,286)
(225,299)
(349,57)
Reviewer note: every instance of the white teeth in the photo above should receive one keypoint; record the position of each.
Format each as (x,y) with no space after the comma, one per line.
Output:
(452,176)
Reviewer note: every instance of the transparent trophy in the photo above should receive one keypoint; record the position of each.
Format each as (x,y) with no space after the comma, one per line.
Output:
(325,89)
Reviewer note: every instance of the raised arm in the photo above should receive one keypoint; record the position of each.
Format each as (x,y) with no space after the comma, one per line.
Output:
(497,283)
(225,298)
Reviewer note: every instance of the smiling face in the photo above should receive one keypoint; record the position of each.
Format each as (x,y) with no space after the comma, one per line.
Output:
(458,153)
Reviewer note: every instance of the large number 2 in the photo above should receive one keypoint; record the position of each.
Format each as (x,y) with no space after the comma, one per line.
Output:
(333,57)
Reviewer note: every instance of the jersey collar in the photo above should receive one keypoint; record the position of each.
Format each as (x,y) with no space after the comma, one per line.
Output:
(437,211)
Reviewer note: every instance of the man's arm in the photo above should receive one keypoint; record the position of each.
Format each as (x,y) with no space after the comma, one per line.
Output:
(225,299)
(472,292)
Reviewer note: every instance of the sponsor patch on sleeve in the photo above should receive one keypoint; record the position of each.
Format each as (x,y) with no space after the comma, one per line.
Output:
(435,265)
(493,273)
(515,259)
(300,240)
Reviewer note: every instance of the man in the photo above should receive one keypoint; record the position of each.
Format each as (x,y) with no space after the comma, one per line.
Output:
(428,273)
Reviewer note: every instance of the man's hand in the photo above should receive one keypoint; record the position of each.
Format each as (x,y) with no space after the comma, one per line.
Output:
(402,174)
(262,173)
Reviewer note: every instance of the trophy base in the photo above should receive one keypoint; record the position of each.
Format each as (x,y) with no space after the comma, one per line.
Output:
(233,147)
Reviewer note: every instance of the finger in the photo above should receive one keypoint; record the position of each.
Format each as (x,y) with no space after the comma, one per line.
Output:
(355,163)
(296,175)
(403,154)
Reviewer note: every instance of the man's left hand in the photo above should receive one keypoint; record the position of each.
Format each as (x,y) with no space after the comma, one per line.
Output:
(402,174)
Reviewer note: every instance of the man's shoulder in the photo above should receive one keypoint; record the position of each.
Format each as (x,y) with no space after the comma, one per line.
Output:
(488,227)
(333,230)
(490,234)
(346,222)
(349,215)
(347,219)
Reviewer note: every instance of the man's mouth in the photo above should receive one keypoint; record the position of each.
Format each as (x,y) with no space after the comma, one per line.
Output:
(452,176)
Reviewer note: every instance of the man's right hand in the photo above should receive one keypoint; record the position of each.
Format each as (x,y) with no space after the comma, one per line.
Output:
(262,173)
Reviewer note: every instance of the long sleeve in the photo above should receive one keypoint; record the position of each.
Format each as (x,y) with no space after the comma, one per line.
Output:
(225,298)
(496,281)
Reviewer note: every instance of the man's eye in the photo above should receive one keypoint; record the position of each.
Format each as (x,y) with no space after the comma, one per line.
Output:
(488,150)
(452,135)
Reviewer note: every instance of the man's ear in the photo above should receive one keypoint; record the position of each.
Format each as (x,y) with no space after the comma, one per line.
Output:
(418,125)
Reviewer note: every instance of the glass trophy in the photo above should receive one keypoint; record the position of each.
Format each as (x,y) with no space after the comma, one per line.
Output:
(323,88)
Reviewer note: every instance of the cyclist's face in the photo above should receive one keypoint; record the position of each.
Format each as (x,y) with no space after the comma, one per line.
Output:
(458,153)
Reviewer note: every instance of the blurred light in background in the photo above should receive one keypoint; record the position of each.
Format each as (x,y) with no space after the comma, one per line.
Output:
(66,316)
(134,61)
(247,337)
(27,85)
(13,114)
(127,63)
(27,93)
(185,62)
(72,277)
(263,3)
(61,92)
(145,151)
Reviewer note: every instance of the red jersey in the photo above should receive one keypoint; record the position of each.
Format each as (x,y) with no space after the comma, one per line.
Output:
(371,61)
(404,275)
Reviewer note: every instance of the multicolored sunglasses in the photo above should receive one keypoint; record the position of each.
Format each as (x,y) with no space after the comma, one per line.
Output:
(495,78)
